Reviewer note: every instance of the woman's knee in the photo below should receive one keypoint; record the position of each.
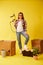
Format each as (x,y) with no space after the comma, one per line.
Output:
(27,37)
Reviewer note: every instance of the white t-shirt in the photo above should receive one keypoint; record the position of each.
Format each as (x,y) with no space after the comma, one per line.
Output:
(19,26)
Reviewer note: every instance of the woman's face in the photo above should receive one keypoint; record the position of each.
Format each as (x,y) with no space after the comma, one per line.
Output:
(20,16)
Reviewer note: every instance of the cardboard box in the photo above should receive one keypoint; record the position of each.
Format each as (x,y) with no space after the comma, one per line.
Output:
(8,46)
(37,43)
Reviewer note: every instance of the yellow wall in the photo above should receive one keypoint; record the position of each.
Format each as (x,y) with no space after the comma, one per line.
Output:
(33,12)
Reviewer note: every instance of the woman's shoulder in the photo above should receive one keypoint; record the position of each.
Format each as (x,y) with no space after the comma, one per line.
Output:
(17,20)
(24,21)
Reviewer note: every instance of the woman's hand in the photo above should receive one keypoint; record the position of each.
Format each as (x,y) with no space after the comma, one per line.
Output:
(25,32)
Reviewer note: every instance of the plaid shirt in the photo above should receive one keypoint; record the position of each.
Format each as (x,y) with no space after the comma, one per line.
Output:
(24,24)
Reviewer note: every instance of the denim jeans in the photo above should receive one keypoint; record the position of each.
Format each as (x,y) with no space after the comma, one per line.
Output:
(19,38)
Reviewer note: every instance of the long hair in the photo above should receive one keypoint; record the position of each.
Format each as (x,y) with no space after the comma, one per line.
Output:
(22,15)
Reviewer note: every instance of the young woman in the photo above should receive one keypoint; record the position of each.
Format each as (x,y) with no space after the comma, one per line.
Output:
(20,26)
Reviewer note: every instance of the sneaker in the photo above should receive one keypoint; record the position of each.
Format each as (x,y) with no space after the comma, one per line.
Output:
(25,48)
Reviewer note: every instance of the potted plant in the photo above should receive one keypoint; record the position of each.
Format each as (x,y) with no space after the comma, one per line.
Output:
(3,53)
(35,53)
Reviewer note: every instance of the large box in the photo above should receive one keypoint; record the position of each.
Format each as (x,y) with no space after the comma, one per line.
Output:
(8,46)
(37,43)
